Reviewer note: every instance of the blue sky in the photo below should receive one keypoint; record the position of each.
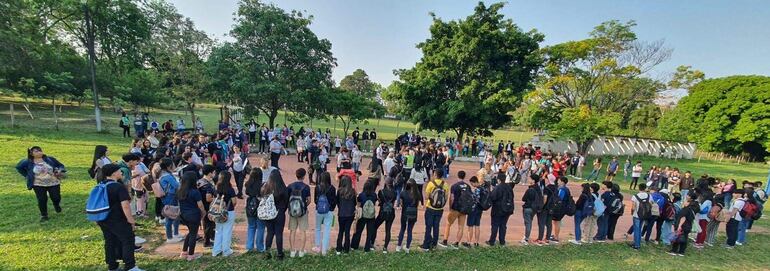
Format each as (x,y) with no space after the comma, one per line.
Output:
(720,38)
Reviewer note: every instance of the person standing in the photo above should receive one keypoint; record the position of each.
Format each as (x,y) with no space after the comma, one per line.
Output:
(118,227)
(126,125)
(636,173)
(43,175)
(461,195)
(207,189)
(683,230)
(275,152)
(276,187)
(263,137)
(502,208)
(190,213)
(533,200)
(347,207)
(640,212)
(410,199)
(299,199)
(224,230)
(325,199)
(255,232)
(436,190)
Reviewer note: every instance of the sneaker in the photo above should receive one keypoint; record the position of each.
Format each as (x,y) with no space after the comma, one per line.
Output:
(539,243)
(475,244)
(58,209)
(43,218)
(293,254)
(710,244)
(671,253)
(466,245)
(138,248)
(625,236)
(490,243)
(406,250)
(139,240)
(162,221)
(179,236)
(575,242)
(316,249)
(193,257)
(172,240)
(135,269)
(301,254)
(456,245)
(738,243)
(524,242)
(729,247)
(337,253)
(554,241)
(443,244)
(600,241)
(398,248)
(384,251)
(698,246)
(680,255)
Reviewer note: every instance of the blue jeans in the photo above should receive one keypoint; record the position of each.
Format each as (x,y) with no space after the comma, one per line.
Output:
(742,226)
(602,222)
(356,166)
(578,219)
(637,232)
(684,193)
(432,221)
(323,224)
(256,230)
(647,229)
(446,171)
(594,174)
(223,236)
(169,224)
(666,231)
(728,200)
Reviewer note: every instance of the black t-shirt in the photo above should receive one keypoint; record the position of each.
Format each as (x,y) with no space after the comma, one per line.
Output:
(456,190)
(365,135)
(204,187)
(372,135)
(190,204)
(229,194)
(355,134)
(116,193)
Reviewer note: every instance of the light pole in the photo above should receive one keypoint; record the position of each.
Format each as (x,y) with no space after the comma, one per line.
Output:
(89,40)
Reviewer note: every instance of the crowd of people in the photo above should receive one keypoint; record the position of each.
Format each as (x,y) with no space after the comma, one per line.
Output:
(196,180)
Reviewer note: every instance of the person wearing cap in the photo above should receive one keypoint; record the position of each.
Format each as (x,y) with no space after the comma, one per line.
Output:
(118,227)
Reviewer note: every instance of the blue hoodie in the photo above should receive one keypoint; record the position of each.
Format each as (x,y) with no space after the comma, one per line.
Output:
(26,168)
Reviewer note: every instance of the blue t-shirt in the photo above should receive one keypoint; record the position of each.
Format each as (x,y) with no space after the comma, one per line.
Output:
(189,206)
(300,186)
(614,165)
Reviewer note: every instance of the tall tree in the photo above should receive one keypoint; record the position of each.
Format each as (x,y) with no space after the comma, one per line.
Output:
(280,60)
(472,73)
(359,83)
(349,107)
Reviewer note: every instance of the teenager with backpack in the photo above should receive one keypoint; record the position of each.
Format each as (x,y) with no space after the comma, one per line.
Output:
(683,228)
(410,200)
(502,209)
(641,211)
(206,187)
(705,203)
(367,201)
(562,204)
(668,216)
(603,221)
(325,199)
(591,215)
(118,226)
(436,190)
(387,198)
(299,199)
(276,188)
(657,201)
(716,215)
(347,204)
(461,204)
(749,211)
(544,225)
(255,231)
(581,211)
(43,174)
(191,212)
(224,225)
(615,212)
(533,203)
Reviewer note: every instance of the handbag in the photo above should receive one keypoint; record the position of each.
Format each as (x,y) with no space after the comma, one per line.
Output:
(170,211)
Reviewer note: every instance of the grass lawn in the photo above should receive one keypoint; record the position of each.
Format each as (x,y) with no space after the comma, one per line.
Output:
(69,242)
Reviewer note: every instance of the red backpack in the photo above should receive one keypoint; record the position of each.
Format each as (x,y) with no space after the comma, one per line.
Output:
(749,210)
(714,212)
(669,213)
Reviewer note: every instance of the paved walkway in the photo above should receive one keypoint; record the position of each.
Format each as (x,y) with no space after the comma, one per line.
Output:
(515,232)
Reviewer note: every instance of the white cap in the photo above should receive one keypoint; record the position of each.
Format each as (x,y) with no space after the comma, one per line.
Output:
(664,191)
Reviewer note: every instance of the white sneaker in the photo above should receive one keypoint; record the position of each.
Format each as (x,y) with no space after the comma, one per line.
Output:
(576,242)
(179,236)
(524,242)
(293,254)
(302,254)
(162,221)
(738,243)
(173,240)
(398,248)
(136,268)
(338,253)
(139,240)
(406,250)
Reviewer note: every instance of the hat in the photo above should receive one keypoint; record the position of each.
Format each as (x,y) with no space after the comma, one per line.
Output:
(664,191)
(109,169)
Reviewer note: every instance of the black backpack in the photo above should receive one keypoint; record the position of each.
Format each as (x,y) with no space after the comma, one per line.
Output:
(465,202)
(569,204)
(484,202)
(506,204)
(252,205)
(438,195)
(616,205)
(386,209)
(537,203)
(645,207)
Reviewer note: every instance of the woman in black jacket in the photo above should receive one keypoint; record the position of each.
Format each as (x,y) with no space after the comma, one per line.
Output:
(277,187)
(582,200)
(347,204)
(255,232)
(502,208)
(387,198)
(683,230)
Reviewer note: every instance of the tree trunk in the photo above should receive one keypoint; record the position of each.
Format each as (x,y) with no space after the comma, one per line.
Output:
(191,107)
(272,116)
(583,146)
(13,119)
(89,42)
(26,107)
(55,118)
(460,134)
(226,113)
(345,125)
(335,125)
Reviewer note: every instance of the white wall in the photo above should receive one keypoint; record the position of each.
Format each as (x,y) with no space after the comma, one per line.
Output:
(622,146)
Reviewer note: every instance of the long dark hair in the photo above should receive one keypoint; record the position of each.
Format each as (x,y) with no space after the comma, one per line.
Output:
(99,152)
(586,188)
(324,182)
(166,164)
(255,176)
(32,149)
(188,182)
(413,189)
(274,185)
(223,183)
(369,187)
(346,188)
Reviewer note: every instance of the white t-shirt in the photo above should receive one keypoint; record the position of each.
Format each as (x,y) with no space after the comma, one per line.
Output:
(637,171)
(737,207)
(641,195)
(418,176)
(389,164)
(357,155)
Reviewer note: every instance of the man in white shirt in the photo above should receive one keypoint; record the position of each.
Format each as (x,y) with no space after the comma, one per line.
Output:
(639,198)
(734,225)
(275,152)
(581,164)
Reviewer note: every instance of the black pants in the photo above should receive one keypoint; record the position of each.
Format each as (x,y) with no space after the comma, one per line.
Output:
(193,222)
(42,193)
(158,207)
(370,225)
(499,227)
(388,220)
(239,176)
(611,223)
(252,138)
(680,244)
(126,131)
(572,170)
(118,244)
(208,231)
(275,229)
(274,159)
(262,145)
(732,231)
(543,225)
(634,180)
(344,233)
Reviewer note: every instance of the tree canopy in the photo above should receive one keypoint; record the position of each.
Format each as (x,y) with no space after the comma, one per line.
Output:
(472,73)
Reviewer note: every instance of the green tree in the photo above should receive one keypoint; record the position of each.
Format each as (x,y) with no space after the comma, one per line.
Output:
(359,83)
(472,73)
(349,107)
(729,114)
(583,124)
(142,88)
(281,62)
(644,120)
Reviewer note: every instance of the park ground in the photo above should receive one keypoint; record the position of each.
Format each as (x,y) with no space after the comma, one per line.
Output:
(69,242)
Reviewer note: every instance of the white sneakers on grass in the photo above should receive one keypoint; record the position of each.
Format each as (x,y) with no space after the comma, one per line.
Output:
(139,240)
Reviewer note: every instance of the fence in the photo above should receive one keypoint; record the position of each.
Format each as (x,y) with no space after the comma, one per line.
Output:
(622,146)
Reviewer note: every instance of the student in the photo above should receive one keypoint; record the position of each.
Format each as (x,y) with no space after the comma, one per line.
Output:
(544,226)
(558,211)
(277,188)
(612,169)
(325,199)
(206,186)
(460,197)
(43,175)
(410,201)
(224,231)
(589,221)
(239,161)
(367,201)
(613,217)
(748,198)
(474,218)
(436,191)
(502,208)
(169,186)
(190,213)
(705,203)
(584,198)
(387,198)
(101,158)
(118,227)
(420,177)
(728,190)
(299,199)
(603,221)
(636,172)
(275,152)
(347,204)
(597,166)
(687,183)
(683,230)
(533,200)
(640,212)
(255,232)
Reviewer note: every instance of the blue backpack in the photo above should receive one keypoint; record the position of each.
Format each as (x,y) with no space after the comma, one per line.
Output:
(323,204)
(98,204)
(588,207)
(599,207)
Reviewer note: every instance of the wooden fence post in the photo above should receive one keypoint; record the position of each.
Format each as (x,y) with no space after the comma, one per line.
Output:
(13,119)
